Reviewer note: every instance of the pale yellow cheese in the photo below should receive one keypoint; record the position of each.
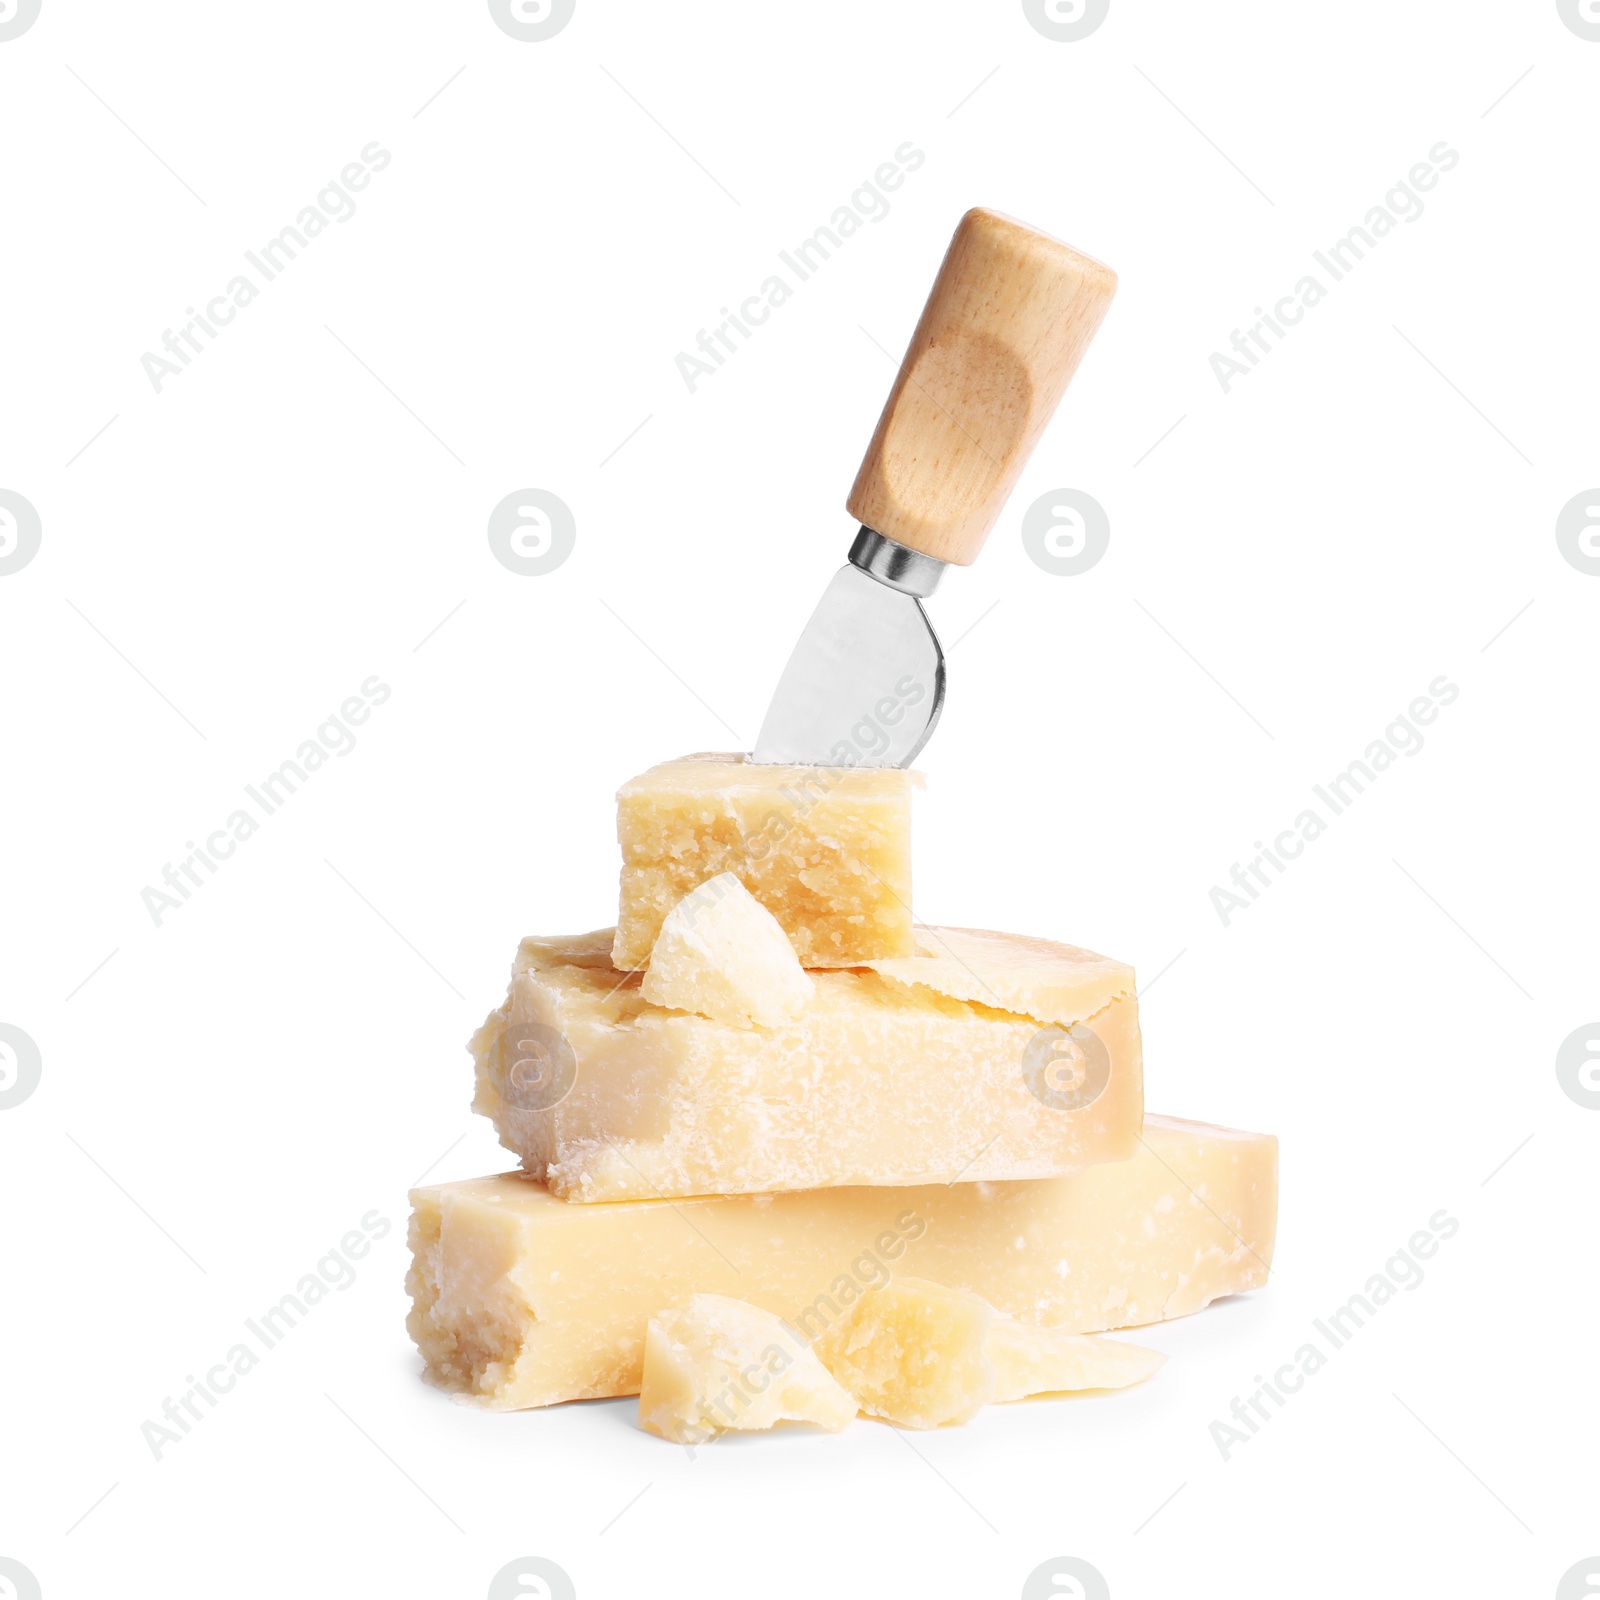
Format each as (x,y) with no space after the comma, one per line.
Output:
(1032,1360)
(722,954)
(875,1080)
(827,850)
(715,1364)
(1010,972)
(912,1352)
(519,1299)
(921,1355)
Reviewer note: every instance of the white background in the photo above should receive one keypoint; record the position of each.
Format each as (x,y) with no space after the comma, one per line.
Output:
(305,506)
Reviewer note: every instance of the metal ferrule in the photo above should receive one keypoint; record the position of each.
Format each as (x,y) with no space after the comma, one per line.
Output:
(893,564)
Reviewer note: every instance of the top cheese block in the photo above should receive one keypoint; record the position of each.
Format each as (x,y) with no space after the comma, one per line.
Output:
(827,850)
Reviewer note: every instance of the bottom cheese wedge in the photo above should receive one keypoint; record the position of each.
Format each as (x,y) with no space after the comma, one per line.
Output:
(520,1299)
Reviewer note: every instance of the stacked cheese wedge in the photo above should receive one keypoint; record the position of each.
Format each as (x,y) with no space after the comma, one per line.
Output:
(787,1155)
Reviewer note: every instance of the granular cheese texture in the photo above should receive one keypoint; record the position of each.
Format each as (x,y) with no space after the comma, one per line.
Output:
(922,1355)
(721,953)
(912,1352)
(873,1080)
(715,1364)
(519,1299)
(827,850)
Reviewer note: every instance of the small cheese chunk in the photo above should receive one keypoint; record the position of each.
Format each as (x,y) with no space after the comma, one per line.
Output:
(827,850)
(874,1080)
(921,1355)
(913,1353)
(519,1299)
(717,1363)
(1033,1360)
(722,954)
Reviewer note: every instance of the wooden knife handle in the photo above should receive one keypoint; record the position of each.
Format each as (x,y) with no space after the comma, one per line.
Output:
(1007,322)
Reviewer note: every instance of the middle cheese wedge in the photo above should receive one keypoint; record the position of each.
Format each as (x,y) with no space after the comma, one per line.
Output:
(984,1056)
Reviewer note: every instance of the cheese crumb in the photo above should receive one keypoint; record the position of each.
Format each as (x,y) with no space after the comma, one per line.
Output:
(722,954)
(912,1352)
(715,1364)
(921,1355)
(1030,1360)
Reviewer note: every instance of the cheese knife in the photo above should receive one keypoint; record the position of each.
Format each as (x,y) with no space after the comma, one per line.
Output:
(1007,322)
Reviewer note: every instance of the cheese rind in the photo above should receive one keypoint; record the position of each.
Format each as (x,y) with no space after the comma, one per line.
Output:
(715,1364)
(873,1081)
(519,1299)
(827,850)
(721,953)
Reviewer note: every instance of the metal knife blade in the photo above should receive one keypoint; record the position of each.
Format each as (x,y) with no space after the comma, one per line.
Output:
(1003,330)
(864,685)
